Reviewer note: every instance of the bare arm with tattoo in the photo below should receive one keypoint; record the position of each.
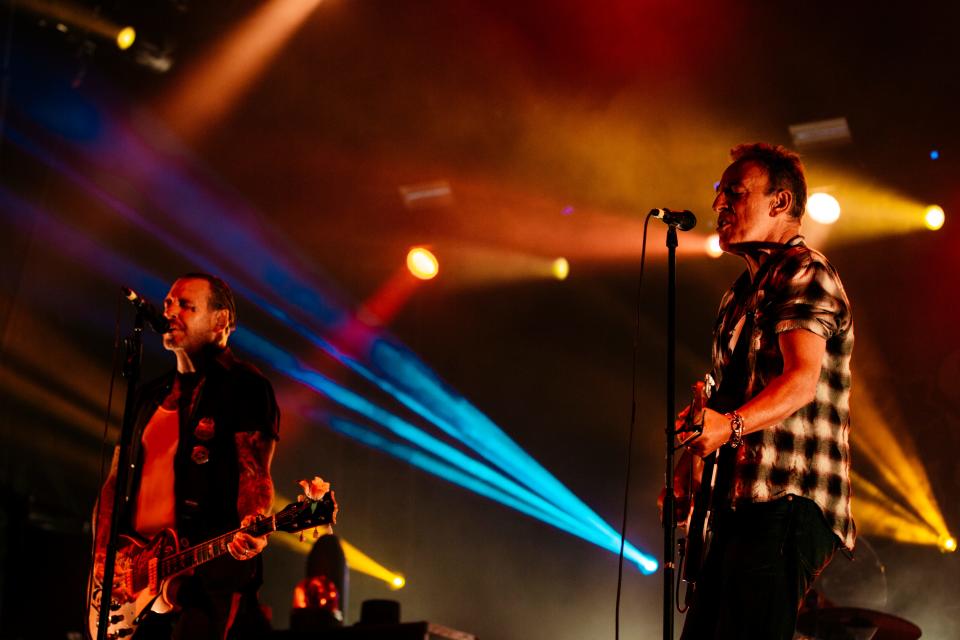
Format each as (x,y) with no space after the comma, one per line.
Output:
(255,493)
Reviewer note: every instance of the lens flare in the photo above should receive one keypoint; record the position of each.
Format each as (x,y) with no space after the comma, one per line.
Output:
(422,263)
(934,217)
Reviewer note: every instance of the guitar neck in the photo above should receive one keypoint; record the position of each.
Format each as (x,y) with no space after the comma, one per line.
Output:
(214,548)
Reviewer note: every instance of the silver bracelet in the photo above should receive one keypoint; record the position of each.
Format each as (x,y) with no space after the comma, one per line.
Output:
(736,429)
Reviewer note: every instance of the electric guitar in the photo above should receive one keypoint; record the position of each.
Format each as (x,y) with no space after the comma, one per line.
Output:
(145,573)
(701,508)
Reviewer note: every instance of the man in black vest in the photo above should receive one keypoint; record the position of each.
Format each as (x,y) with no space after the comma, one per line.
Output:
(781,357)
(204,439)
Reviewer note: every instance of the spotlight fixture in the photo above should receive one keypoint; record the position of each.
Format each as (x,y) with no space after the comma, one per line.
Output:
(934,217)
(948,544)
(422,263)
(823,208)
(712,246)
(125,38)
(560,268)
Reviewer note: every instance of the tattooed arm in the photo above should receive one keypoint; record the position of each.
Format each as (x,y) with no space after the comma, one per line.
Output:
(255,494)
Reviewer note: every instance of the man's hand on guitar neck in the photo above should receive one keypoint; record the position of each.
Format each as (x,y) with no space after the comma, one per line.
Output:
(244,546)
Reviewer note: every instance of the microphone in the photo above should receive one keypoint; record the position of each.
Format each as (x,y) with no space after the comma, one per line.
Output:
(154,318)
(683,220)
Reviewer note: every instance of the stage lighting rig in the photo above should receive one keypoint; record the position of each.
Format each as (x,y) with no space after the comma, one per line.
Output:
(129,31)
(79,21)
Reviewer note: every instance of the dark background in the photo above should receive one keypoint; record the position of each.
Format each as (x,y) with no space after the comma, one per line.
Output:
(527,109)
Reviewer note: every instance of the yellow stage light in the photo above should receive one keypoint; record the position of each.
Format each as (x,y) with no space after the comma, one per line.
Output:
(713,246)
(356,560)
(422,263)
(561,268)
(948,544)
(823,208)
(125,38)
(934,217)
(901,505)
(880,515)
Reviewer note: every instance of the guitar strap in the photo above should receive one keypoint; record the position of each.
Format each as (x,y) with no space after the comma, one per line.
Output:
(730,395)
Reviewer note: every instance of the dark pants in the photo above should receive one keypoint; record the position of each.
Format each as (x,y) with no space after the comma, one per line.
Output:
(205,616)
(762,560)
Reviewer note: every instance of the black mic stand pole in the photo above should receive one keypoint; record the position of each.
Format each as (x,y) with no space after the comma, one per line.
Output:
(131,371)
(669,517)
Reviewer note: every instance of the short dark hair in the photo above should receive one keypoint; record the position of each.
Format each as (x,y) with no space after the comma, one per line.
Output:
(783,167)
(221,295)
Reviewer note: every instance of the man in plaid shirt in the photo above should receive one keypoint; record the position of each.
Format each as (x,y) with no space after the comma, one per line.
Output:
(782,343)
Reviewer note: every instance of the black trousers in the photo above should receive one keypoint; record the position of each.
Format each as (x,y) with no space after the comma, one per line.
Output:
(762,560)
(204,616)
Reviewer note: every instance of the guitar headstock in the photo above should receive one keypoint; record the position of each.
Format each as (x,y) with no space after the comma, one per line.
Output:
(316,507)
(700,393)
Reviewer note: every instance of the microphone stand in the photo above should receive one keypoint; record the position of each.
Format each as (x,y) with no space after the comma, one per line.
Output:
(669,517)
(131,371)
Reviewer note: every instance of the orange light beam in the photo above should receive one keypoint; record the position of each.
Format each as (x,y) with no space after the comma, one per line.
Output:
(229,70)
(356,559)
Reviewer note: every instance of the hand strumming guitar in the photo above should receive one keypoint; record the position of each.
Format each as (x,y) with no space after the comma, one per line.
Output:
(686,474)
(716,432)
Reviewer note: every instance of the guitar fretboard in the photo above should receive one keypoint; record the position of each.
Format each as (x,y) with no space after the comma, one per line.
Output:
(193,556)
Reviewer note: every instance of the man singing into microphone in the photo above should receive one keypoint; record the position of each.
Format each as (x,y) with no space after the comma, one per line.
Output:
(202,446)
(781,357)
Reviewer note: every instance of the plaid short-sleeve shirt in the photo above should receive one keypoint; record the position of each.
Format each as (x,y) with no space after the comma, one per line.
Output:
(808,454)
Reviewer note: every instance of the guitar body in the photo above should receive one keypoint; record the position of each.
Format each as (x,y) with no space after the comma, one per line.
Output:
(716,477)
(698,524)
(698,518)
(137,586)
